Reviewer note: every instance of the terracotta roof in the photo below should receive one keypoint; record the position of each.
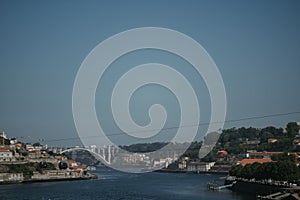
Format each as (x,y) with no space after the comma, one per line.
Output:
(251,161)
(264,153)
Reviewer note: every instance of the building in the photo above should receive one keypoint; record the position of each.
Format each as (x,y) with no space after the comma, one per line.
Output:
(162,162)
(2,134)
(263,154)
(222,153)
(182,165)
(29,147)
(220,168)
(5,155)
(252,142)
(11,177)
(18,145)
(34,154)
(254,160)
(72,164)
(199,166)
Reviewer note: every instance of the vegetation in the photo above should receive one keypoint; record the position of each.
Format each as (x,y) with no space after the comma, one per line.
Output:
(238,140)
(63,165)
(44,166)
(6,141)
(144,147)
(193,151)
(282,169)
(28,168)
(82,156)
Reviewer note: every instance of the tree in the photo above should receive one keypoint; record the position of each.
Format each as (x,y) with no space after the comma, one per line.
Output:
(6,141)
(236,171)
(282,170)
(284,156)
(63,165)
(292,129)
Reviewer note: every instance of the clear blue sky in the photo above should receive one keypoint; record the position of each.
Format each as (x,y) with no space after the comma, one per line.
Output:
(255,44)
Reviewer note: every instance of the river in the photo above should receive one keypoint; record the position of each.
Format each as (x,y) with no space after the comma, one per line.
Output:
(117,185)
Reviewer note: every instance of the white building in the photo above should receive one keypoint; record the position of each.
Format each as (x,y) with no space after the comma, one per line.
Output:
(5,155)
(29,147)
(11,177)
(200,166)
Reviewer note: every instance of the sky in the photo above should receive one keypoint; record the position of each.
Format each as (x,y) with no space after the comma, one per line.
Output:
(255,44)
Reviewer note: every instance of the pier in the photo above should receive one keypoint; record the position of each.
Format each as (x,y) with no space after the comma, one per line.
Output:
(214,186)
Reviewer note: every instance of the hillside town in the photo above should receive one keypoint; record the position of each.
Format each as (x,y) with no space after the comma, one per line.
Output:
(244,146)
(20,162)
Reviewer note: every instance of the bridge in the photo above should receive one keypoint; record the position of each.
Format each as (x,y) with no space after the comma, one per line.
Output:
(96,155)
(103,154)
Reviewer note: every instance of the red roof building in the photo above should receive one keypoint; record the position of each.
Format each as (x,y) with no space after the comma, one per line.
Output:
(254,160)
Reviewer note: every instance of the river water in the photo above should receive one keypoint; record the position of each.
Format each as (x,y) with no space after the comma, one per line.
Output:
(117,185)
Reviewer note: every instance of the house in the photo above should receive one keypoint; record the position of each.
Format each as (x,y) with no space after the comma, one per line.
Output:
(254,160)
(34,154)
(162,162)
(200,166)
(18,145)
(29,147)
(222,153)
(6,154)
(37,146)
(182,165)
(72,164)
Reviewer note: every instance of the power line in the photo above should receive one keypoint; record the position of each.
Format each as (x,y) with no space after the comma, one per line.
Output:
(183,126)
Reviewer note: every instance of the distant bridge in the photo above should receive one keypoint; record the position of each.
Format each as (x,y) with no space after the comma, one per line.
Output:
(96,155)
(104,155)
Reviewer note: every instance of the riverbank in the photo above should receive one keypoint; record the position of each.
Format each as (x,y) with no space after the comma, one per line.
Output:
(192,172)
(265,189)
(89,176)
(13,178)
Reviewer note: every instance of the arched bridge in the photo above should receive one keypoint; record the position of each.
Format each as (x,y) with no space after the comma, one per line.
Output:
(96,155)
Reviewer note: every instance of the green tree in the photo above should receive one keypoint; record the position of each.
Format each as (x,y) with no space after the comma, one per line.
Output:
(236,171)
(292,129)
